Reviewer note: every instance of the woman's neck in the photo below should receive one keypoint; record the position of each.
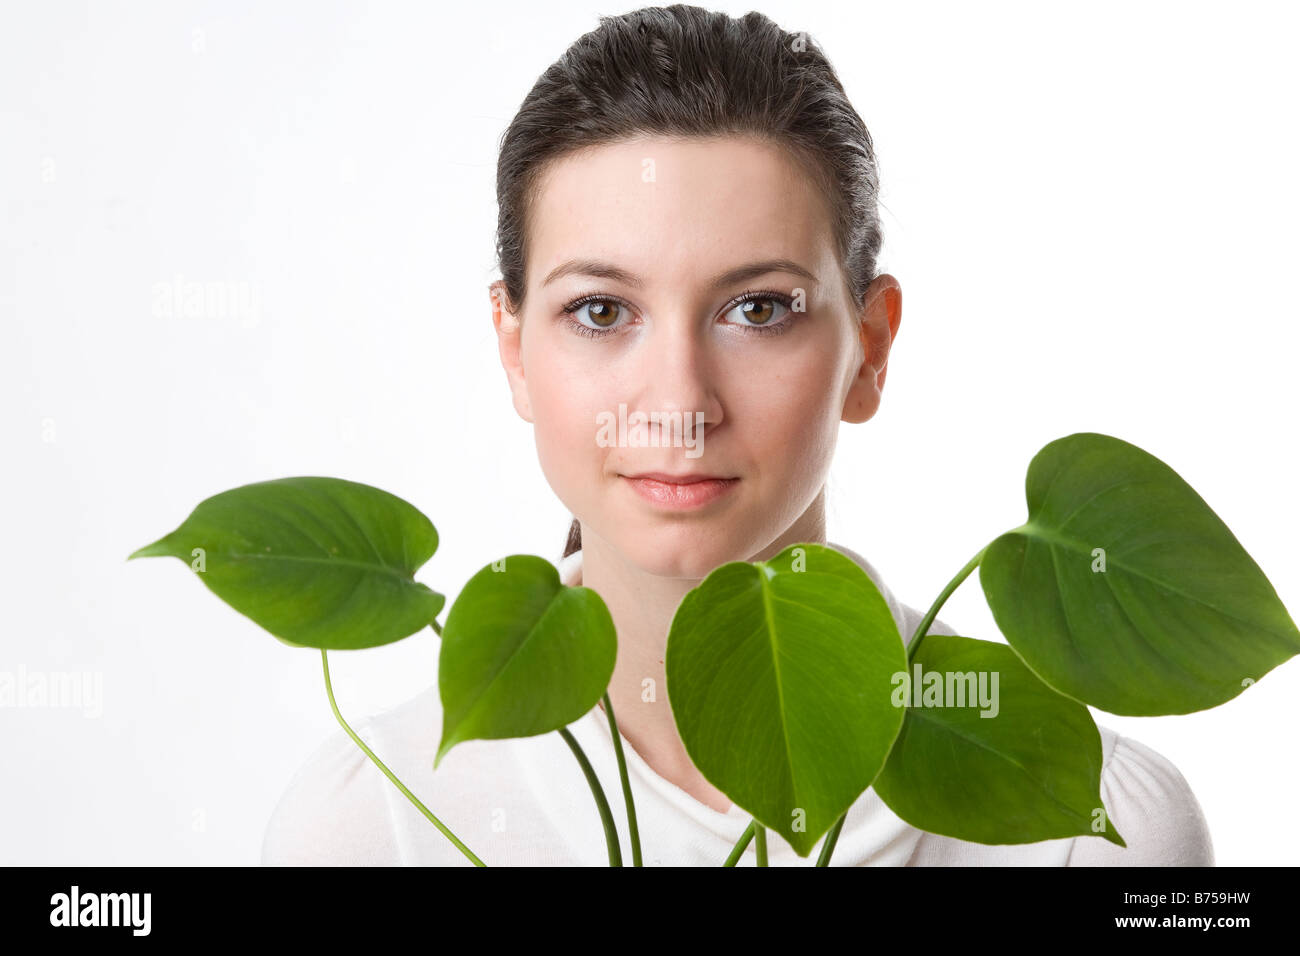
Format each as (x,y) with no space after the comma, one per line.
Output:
(642,606)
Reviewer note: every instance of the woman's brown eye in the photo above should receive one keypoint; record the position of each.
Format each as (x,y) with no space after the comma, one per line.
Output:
(756,314)
(603,314)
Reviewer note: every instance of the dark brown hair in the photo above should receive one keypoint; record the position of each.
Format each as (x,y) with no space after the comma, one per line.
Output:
(683,71)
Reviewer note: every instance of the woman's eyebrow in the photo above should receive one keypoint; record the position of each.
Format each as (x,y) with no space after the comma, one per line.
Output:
(605,270)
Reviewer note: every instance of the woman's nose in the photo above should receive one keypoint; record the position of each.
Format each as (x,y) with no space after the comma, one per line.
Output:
(679,369)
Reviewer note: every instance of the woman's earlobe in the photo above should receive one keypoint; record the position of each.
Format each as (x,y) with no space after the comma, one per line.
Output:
(863,399)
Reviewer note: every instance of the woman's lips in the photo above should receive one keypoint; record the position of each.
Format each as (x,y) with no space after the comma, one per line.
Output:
(682,493)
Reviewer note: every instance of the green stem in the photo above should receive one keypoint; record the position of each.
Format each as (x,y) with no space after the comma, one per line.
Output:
(828,845)
(741,844)
(388,773)
(760,843)
(436,626)
(606,817)
(627,786)
(923,628)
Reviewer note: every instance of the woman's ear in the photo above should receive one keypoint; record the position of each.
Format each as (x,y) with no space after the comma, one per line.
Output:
(882,311)
(508,329)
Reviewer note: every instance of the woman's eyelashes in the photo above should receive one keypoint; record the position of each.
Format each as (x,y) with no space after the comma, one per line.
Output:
(755,311)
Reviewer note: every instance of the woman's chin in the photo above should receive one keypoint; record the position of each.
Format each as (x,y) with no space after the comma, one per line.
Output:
(680,552)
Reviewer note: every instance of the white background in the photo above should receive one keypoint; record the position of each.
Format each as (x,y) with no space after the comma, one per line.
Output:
(1092,210)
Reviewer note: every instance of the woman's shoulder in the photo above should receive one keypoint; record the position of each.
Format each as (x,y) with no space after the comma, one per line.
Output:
(1153,807)
(336,809)
(332,811)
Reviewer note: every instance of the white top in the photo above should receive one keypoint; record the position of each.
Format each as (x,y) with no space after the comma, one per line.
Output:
(526,802)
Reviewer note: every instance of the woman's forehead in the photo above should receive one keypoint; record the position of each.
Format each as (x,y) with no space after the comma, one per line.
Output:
(650,202)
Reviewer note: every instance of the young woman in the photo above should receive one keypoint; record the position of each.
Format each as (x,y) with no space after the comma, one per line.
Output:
(687,224)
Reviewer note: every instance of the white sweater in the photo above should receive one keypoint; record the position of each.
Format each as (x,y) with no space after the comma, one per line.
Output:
(525,802)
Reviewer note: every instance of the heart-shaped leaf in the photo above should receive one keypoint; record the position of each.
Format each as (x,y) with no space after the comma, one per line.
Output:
(522,654)
(989,753)
(779,677)
(1124,590)
(317,562)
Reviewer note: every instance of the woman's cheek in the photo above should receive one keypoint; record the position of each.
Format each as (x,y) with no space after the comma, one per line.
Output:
(567,449)
(559,465)
(798,429)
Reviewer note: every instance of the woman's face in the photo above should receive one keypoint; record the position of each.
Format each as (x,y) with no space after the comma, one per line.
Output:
(670,234)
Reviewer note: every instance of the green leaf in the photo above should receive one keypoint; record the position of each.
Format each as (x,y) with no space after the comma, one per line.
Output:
(779,677)
(992,754)
(522,654)
(318,562)
(1181,618)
